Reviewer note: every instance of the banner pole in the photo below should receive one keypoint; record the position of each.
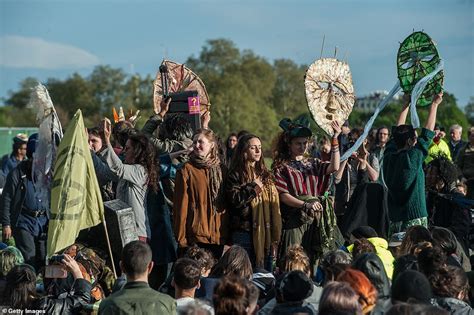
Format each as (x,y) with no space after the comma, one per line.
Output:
(109,246)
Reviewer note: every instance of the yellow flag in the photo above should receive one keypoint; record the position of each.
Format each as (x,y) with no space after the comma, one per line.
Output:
(76,202)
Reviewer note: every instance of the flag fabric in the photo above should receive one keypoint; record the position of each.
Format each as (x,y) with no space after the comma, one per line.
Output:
(76,202)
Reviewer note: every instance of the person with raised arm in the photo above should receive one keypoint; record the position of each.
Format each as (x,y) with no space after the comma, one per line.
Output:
(403,170)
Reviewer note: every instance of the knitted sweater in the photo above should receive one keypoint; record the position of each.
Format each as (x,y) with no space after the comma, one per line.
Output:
(405,179)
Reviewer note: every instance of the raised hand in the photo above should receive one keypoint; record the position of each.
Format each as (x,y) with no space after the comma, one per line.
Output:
(438,98)
(336,128)
(163,107)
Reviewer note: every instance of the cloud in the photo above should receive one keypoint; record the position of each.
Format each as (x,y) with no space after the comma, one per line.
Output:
(33,52)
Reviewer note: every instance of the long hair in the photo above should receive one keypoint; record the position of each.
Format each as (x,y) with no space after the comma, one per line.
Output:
(232,134)
(449,282)
(241,166)
(296,259)
(414,235)
(281,150)
(175,126)
(447,170)
(144,154)
(211,136)
(20,290)
(235,261)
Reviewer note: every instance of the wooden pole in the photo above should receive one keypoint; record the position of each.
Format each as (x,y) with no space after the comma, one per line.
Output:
(109,246)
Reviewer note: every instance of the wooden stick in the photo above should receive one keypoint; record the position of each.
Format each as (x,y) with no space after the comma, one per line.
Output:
(108,245)
(322,47)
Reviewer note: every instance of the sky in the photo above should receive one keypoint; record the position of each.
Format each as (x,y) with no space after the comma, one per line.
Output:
(45,39)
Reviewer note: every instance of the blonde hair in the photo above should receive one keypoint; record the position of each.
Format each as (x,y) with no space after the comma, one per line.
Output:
(211,136)
(296,259)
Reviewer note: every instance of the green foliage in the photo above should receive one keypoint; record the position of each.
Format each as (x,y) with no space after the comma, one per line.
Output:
(469,110)
(246,92)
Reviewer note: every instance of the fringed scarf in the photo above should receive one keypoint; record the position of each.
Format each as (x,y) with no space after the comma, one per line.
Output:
(266,222)
(215,176)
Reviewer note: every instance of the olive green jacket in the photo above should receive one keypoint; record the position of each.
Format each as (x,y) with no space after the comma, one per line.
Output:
(137,298)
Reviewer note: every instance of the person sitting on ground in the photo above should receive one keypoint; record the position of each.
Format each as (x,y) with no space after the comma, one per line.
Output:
(446,240)
(136,296)
(202,256)
(235,261)
(362,286)
(362,246)
(9,258)
(411,286)
(291,292)
(235,295)
(403,170)
(415,309)
(380,244)
(331,265)
(450,287)
(414,235)
(339,298)
(371,265)
(187,273)
(21,292)
(296,259)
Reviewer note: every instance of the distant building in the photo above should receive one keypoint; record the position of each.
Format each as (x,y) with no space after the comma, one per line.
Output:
(369,103)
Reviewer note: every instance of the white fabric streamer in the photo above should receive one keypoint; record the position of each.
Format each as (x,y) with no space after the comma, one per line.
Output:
(418,89)
(369,124)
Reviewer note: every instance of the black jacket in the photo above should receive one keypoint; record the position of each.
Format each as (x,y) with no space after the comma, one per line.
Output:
(70,304)
(367,207)
(14,193)
(238,197)
(372,266)
(445,212)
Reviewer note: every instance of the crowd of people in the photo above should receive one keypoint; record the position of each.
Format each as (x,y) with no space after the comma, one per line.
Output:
(220,232)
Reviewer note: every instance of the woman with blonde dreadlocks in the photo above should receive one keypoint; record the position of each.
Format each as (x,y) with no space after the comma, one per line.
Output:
(253,203)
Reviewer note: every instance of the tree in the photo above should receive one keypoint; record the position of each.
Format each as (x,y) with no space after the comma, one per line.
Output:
(20,98)
(469,110)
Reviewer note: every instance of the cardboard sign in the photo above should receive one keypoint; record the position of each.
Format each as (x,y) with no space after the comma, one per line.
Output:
(194,105)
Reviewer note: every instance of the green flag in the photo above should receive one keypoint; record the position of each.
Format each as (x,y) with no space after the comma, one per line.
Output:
(76,202)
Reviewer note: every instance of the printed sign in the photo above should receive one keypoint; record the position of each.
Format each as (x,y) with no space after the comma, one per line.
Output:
(194,105)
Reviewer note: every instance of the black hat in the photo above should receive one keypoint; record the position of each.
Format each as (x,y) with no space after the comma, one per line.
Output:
(294,129)
(295,286)
(411,284)
(364,232)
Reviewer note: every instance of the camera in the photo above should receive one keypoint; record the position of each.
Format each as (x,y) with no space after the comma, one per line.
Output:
(57,258)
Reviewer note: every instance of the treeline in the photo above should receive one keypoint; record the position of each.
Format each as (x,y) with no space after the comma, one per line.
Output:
(246,92)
